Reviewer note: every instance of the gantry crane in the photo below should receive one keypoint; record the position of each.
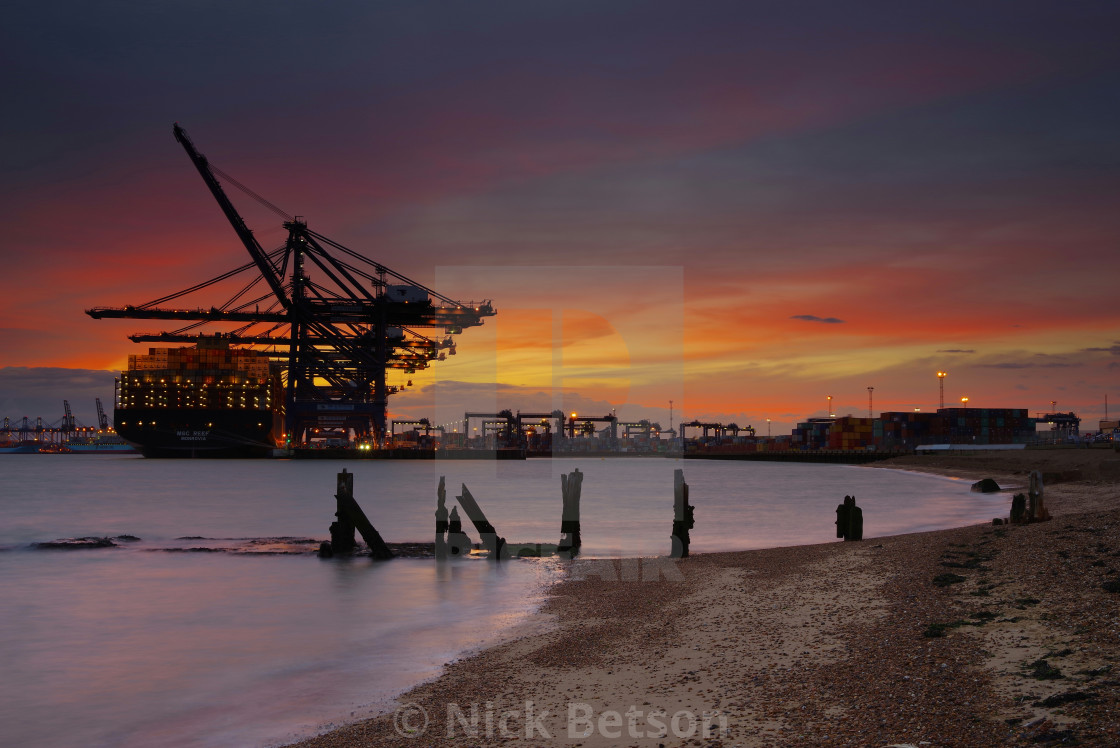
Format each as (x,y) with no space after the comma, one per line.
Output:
(102,419)
(705,428)
(335,331)
(68,423)
(502,423)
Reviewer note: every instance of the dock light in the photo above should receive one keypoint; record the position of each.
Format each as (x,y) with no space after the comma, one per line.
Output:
(941,386)
(964,400)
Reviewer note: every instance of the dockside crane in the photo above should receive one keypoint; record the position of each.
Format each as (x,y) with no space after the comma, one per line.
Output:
(68,425)
(335,321)
(502,422)
(705,428)
(102,419)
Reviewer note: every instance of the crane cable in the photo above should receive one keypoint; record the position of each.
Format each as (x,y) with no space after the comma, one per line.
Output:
(204,284)
(250,193)
(288,217)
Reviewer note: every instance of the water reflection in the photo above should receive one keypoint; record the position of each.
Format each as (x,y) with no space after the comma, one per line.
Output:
(138,646)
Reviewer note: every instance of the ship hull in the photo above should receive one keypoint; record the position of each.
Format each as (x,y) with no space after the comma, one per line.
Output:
(197,433)
(206,401)
(23,448)
(101,449)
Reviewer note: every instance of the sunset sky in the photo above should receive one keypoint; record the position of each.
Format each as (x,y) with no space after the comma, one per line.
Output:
(743,207)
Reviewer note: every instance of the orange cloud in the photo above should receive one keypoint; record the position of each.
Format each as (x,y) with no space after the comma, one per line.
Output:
(595,357)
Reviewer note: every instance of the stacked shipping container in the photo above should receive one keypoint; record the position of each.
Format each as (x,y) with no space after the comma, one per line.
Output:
(906,430)
(210,375)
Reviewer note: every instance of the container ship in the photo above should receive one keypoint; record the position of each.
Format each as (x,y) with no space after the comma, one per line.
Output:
(26,447)
(100,444)
(206,401)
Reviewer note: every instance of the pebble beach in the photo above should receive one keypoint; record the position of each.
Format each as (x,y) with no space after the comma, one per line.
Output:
(987,635)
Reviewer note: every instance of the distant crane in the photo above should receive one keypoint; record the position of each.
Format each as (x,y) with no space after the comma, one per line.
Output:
(102,419)
(68,425)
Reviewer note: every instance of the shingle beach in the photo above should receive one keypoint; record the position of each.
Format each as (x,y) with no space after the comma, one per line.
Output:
(988,635)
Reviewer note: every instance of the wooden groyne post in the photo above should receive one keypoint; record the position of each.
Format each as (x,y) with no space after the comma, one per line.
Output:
(487,534)
(683,516)
(1029,507)
(1018,508)
(342,529)
(571,486)
(458,542)
(350,518)
(1036,510)
(441,520)
(849,520)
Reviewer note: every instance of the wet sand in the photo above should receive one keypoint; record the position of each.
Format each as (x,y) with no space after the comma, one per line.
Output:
(976,636)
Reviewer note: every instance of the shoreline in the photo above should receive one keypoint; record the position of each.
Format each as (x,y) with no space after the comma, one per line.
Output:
(830,644)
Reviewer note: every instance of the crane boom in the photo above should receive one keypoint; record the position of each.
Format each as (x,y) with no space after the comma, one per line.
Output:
(68,424)
(102,419)
(260,257)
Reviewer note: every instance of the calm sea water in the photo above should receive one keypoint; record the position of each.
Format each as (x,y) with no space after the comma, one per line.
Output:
(152,643)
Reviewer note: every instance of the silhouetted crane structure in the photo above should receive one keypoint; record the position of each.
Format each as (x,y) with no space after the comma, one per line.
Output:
(542,423)
(423,424)
(68,423)
(335,334)
(588,425)
(102,419)
(731,429)
(502,423)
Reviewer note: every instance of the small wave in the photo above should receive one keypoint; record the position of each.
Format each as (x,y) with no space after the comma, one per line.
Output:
(69,544)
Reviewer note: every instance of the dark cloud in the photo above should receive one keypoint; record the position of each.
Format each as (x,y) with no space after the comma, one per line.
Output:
(1027,365)
(815,318)
(39,391)
(957,350)
(1114,350)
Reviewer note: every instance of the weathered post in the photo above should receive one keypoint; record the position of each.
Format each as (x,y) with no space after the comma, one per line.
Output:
(849,520)
(441,520)
(458,542)
(1018,508)
(488,536)
(683,516)
(842,518)
(1036,510)
(855,521)
(570,487)
(351,517)
(342,529)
